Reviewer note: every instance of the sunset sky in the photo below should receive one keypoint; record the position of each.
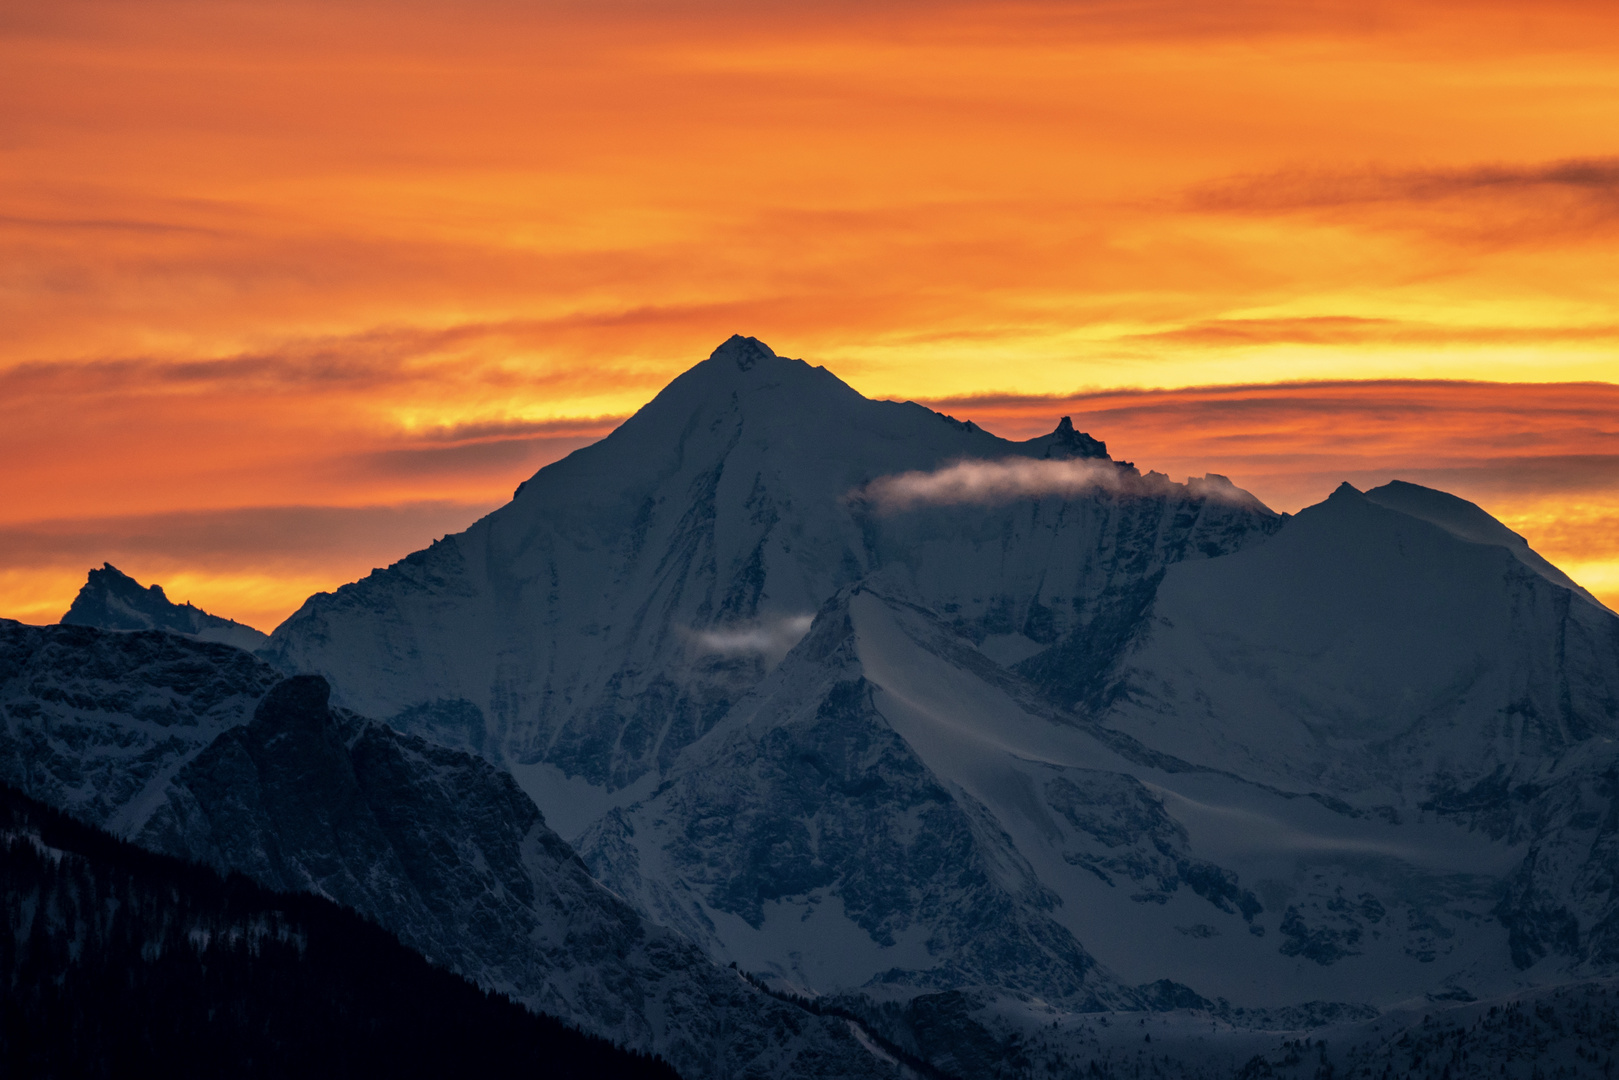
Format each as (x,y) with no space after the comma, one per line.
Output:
(289,289)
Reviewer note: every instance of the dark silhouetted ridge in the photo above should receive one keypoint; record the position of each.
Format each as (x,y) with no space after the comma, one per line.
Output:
(1066,442)
(112,600)
(118,962)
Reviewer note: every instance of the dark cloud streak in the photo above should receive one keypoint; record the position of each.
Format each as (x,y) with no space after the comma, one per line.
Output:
(1593,178)
(273,536)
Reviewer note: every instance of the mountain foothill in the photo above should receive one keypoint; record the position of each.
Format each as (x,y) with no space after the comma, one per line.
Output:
(789,733)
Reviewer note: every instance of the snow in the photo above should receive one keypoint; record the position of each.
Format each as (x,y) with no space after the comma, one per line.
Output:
(1362,649)
(571,804)
(977,737)
(1352,756)
(1469,522)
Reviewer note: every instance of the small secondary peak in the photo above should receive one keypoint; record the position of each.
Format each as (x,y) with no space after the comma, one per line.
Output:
(745,352)
(112,600)
(1345,490)
(1067,442)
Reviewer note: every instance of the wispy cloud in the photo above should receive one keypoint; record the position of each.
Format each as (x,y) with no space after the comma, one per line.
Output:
(1386,421)
(1301,189)
(1544,457)
(1353,330)
(304,537)
(462,355)
(769,638)
(991,483)
(253,564)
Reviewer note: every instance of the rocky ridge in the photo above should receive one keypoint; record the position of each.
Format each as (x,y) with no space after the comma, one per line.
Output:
(112,600)
(437,846)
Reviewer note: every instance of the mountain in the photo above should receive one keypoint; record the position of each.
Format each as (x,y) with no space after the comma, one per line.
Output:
(892,812)
(200,751)
(1368,647)
(117,961)
(632,593)
(994,754)
(112,600)
(968,736)
(1401,652)
(97,723)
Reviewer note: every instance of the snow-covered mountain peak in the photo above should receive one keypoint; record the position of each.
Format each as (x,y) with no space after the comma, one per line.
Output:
(744,352)
(1470,522)
(112,600)
(1062,731)
(634,591)
(1364,647)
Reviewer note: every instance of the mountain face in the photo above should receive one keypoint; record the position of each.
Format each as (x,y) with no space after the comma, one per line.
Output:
(446,850)
(98,723)
(632,593)
(1402,653)
(892,812)
(112,600)
(201,751)
(1366,650)
(958,731)
(115,961)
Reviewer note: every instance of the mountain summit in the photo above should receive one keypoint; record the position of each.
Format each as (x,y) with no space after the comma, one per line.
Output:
(633,592)
(744,352)
(112,600)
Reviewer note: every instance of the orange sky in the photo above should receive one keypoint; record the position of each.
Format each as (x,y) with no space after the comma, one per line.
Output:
(289,288)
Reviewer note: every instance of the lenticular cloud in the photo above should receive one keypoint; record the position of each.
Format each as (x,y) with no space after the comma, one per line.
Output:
(986,483)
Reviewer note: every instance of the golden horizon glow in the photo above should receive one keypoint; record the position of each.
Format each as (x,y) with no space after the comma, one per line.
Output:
(362,255)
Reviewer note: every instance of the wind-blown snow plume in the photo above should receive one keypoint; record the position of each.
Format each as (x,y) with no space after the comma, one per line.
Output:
(770,638)
(984,483)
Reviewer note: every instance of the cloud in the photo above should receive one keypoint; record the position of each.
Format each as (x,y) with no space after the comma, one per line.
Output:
(515,458)
(1355,330)
(769,638)
(461,356)
(1301,189)
(1562,205)
(253,564)
(1543,457)
(590,427)
(101,225)
(1353,424)
(255,536)
(992,483)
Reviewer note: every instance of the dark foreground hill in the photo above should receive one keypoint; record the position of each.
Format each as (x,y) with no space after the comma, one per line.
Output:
(119,962)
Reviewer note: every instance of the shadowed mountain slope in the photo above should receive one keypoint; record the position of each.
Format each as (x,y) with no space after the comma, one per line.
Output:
(438,846)
(116,961)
